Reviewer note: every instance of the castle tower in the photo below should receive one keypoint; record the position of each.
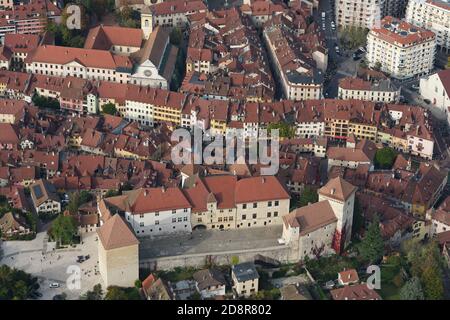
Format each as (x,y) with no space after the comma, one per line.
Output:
(341,196)
(118,253)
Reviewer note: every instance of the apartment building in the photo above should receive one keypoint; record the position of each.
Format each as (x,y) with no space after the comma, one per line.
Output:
(31,18)
(376,91)
(45,199)
(358,13)
(366,13)
(245,279)
(401,49)
(433,15)
(11,111)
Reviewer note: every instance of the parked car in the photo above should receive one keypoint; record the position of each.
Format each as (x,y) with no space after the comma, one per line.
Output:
(54,285)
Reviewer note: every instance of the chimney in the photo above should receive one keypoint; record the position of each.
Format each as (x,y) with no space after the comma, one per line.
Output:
(333,191)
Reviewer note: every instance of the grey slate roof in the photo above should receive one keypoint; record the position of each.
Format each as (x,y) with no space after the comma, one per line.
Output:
(245,271)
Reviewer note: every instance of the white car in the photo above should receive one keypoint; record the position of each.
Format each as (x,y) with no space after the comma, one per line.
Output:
(54,285)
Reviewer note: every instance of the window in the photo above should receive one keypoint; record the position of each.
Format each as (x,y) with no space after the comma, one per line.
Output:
(244,206)
(254,216)
(269,214)
(156,222)
(275,214)
(174,220)
(255,205)
(269,204)
(174,211)
(244,217)
(141,224)
(141,215)
(276,203)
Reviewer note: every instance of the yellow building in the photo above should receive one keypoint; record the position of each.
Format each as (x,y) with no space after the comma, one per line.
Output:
(363,131)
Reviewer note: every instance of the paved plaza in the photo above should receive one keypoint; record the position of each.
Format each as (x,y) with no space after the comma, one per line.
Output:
(41,259)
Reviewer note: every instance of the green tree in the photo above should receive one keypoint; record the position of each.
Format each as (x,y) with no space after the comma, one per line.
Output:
(95,294)
(358,218)
(371,247)
(425,262)
(43,102)
(412,290)
(432,283)
(384,158)
(112,193)
(74,203)
(16,284)
(109,108)
(309,195)
(138,284)
(285,130)
(120,293)
(85,196)
(176,36)
(128,17)
(234,260)
(63,229)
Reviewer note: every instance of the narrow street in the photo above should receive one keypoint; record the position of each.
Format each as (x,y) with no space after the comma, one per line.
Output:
(340,65)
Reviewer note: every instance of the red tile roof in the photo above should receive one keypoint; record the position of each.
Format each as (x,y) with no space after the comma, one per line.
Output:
(404,33)
(115,233)
(87,57)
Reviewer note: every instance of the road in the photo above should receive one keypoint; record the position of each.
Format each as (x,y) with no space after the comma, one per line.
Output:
(339,65)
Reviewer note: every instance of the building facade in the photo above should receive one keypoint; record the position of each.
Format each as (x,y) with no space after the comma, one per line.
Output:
(401,49)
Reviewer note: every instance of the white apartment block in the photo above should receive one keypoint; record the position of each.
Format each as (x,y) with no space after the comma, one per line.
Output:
(366,13)
(433,15)
(358,13)
(401,49)
(381,91)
